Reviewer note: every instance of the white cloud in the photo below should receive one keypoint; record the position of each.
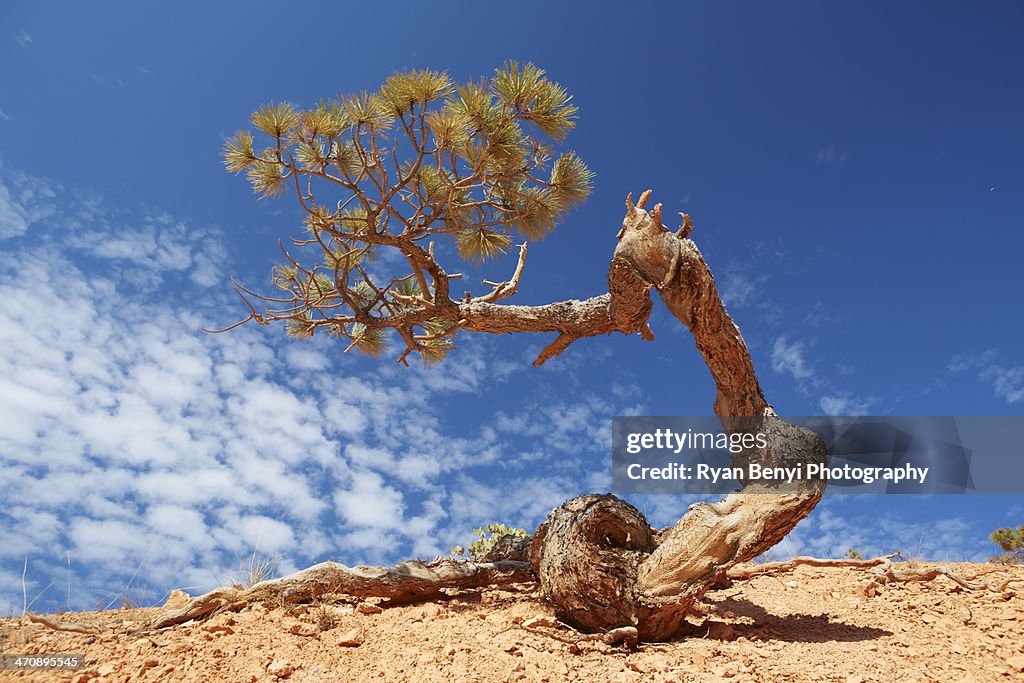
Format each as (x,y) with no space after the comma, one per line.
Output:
(305,358)
(737,288)
(1006,378)
(22,202)
(370,502)
(845,404)
(130,438)
(1008,382)
(788,358)
(740,284)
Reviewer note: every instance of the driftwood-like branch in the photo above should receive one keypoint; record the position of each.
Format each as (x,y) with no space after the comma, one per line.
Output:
(749,570)
(405,582)
(70,627)
(883,568)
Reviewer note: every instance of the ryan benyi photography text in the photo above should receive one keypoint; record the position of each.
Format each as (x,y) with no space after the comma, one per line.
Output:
(737,442)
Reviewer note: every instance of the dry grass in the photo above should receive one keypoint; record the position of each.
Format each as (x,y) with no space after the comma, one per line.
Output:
(259,568)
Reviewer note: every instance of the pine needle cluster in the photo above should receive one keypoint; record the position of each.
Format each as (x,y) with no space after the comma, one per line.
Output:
(419,159)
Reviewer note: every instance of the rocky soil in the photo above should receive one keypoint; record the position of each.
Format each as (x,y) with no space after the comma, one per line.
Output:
(811,624)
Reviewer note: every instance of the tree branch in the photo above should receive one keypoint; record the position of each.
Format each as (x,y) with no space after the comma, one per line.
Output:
(405,582)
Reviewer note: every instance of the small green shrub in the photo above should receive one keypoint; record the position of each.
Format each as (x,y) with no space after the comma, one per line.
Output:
(853,554)
(1012,542)
(489,535)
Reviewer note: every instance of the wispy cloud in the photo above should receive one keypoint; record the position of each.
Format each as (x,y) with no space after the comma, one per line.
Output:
(739,286)
(23,201)
(788,359)
(829,156)
(991,366)
(845,403)
(22,38)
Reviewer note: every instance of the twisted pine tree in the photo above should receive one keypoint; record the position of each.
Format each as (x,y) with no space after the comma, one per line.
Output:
(422,160)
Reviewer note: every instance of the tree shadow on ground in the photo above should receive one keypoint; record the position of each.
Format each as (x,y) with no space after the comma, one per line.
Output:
(803,628)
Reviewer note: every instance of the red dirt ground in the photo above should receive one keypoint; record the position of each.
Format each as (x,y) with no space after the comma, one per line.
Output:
(806,625)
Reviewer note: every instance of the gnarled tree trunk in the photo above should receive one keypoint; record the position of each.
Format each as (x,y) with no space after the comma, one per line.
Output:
(598,560)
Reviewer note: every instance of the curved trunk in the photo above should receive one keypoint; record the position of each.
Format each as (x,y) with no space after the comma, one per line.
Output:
(599,562)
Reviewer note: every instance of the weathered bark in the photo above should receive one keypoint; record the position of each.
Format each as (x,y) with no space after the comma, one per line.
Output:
(405,582)
(598,542)
(598,560)
(599,563)
(624,309)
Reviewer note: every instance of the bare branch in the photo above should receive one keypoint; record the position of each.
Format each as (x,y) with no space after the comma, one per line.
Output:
(503,290)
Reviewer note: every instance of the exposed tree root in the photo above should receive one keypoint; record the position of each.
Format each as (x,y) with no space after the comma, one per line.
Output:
(405,582)
(882,568)
(626,636)
(62,626)
(749,570)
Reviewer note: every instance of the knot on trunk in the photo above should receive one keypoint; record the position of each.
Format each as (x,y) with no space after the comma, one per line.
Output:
(587,555)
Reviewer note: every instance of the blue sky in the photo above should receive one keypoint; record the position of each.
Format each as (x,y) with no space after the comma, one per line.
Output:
(856,178)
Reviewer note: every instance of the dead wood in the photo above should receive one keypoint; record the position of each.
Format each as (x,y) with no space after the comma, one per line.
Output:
(882,568)
(62,625)
(405,582)
(749,570)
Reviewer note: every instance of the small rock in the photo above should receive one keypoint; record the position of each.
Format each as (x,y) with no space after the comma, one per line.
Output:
(728,671)
(792,584)
(540,621)
(150,663)
(351,638)
(106,669)
(368,608)
(721,631)
(430,611)
(177,599)
(929,618)
(223,629)
(855,678)
(143,644)
(85,676)
(280,668)
(302,629)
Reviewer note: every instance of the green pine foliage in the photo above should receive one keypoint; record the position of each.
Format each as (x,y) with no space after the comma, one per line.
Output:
(420,159)
(1012,542)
